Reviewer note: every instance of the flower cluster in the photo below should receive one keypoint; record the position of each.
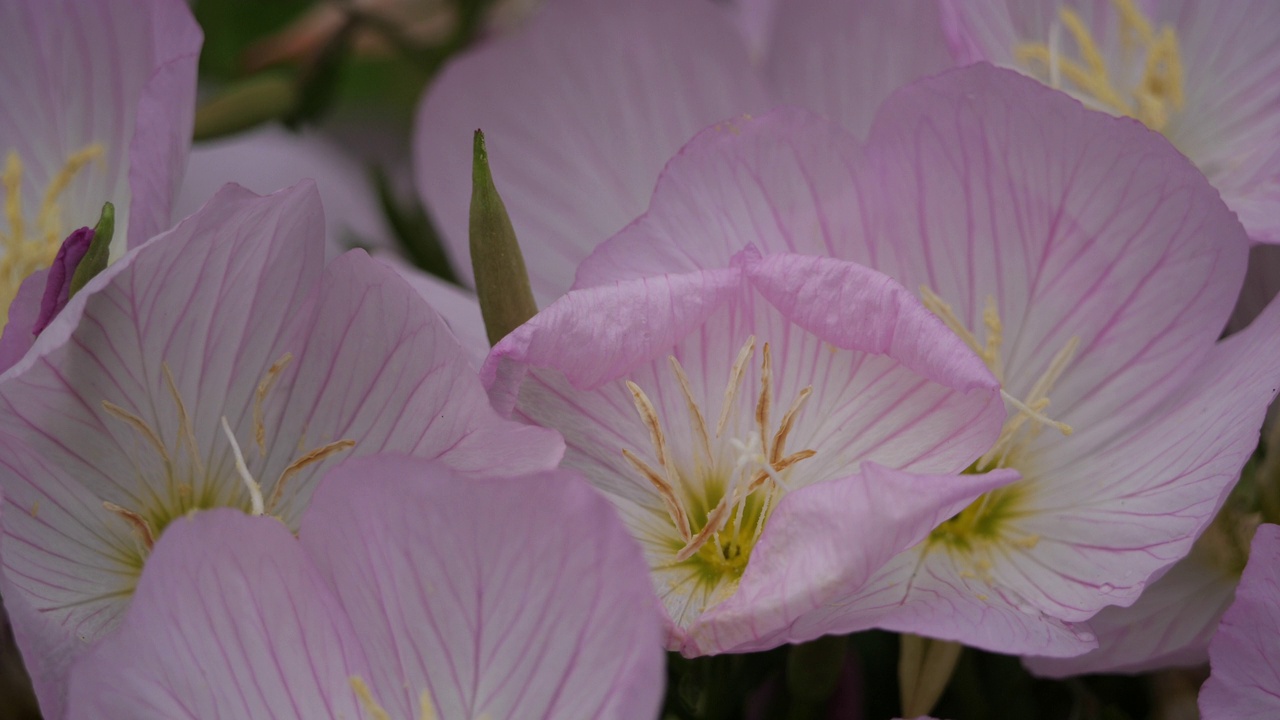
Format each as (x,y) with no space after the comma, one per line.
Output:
(919,316)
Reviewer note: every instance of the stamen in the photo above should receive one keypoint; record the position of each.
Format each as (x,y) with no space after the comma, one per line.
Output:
(940,308)
(649,416)
(371,706)
(137,523)
(185,432)
(1151,100)
(255,491)
(788,420)
(995,338)
(735,379)
(426,709)
(260,398)
(695,412)
(766,399)
(715,523)
(320,454)
(674,509)
(11,180)
(141,426)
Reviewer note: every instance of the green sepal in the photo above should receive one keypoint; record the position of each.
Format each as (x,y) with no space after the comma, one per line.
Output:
(502,283)
(96,257)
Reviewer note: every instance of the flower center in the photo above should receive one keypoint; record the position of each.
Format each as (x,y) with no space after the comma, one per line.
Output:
(27,250)
(184,485)
(990,518)
(1148,59)
(718,507)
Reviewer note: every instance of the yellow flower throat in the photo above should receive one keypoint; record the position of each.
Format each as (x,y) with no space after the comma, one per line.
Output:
(988,518)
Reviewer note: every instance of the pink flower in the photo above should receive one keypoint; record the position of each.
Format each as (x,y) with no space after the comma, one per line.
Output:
(771,431)
(1244,684)
(409,590)
(599,94)
(219,364)
(1201,73)
(1088,263)
(98,103)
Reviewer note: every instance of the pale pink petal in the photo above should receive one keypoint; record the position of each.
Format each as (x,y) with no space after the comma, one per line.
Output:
(783,182)
(1169,626)
(374,364)
(595,95)
(121,74)
(502,598)
(230,620)
(844,58)
(928,591)
(755,20)
(270,158)
(1076,223)
(1229,125)
(459,307)
(19,332)
(1111,518)
(838,532)
(1244,683)
(1231,128)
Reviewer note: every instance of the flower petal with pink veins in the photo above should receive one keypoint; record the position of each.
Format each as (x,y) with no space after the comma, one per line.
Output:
(785,181)
(1244,683)
(1228,119)
(595,94)
(843,58)
(1170,625)
(520,597)
(125,77)
(231,620)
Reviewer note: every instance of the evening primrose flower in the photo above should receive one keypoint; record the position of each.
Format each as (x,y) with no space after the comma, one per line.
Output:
(1244,683)
(410,592)
(221,364)
(1200,73)
(1088,264)
(771,431)
(98,102)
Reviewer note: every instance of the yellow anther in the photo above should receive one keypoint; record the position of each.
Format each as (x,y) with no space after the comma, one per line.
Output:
(1156,95)
(426,709)
(260,398)
(371,706)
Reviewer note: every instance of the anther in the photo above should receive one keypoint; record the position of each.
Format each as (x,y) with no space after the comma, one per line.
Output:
(185,431)
(320,454)
(695,412)
(138,524)
(371,706)
(260,398)
(735,379)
